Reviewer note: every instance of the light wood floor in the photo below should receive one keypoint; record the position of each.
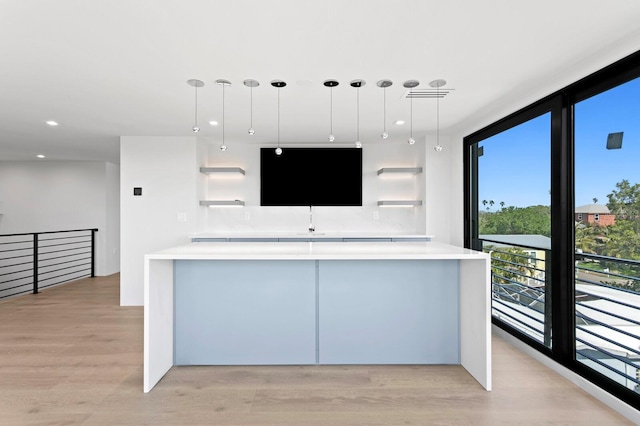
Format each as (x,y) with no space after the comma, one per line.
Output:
(71,355)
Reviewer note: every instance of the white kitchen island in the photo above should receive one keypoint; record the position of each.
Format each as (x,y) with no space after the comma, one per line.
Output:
(297,303)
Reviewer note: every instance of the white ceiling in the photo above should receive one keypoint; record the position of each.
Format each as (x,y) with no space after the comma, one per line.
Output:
(106,68)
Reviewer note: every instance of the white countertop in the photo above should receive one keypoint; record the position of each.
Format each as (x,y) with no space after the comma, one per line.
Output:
(316,251)
(319,235)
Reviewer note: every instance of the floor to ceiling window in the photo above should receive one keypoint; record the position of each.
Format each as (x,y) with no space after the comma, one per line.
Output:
(514,222)
(553,193)
(607,233)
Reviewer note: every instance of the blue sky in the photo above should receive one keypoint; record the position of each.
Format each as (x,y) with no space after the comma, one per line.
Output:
(515,166)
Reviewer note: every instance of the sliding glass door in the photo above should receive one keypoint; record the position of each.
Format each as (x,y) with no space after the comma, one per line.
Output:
(553,193)
(514,223)
(607,233)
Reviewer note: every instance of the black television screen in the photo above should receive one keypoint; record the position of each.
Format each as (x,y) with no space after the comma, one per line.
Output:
(311,177)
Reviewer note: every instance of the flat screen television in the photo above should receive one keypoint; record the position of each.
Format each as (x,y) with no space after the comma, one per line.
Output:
(311,177)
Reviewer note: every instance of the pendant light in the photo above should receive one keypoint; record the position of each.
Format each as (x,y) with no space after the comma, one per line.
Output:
(195,84)
(358,84)
(223,83)
(251,84)
(410,84)
(438,84)
(384,84)
(331,84)
(278,84)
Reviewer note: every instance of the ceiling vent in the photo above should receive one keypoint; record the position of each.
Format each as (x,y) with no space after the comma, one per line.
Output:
(430,93)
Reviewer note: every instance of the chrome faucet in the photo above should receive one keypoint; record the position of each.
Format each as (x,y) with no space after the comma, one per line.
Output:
(311,227)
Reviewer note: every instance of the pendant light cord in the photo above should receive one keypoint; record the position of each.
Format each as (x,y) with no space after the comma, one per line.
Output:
(278,117)
(358,112)
(411,115)
(251,91)
(331,111)
(195,119)
(223,86)
(384,109)
(438,115)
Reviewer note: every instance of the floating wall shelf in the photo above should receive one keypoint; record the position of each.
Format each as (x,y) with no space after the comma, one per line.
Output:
(208,170)
(412,170)
(222,203)
(400,203)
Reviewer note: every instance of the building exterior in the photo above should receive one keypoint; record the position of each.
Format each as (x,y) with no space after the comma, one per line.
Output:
(595,214)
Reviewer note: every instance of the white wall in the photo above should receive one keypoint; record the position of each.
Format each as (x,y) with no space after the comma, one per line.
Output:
(444,182)
(439,189)
(39,196)
(165,168)
(455,175)
(369,218)
(112,226)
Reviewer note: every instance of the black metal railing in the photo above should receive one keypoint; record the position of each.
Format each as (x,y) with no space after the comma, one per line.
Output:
(608,316)
(30,262)
(607,305)
(519,276)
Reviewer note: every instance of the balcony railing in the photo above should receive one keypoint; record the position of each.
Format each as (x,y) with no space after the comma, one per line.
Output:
(608,316)
(607,305)
(34,261)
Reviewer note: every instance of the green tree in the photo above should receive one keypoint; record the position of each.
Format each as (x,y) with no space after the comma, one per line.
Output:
(624,201)
(510,270)
(587,238)
(508,264)
(623,241)
(623,238)
(533,220)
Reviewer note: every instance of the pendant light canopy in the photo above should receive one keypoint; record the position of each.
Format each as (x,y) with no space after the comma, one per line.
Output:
(224,84)
(251,84)
(331,84)
(410,84)
(438,84)
(358,84)
(195,84)
(384,84)
(278,84)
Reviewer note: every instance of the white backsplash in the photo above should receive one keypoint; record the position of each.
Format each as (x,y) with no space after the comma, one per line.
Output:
(256,219)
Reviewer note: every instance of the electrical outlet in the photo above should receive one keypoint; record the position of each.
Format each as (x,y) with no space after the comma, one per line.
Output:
(376,215)
(247,216)
(181,217)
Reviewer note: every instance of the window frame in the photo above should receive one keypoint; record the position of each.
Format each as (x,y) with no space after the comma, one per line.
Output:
(562,255)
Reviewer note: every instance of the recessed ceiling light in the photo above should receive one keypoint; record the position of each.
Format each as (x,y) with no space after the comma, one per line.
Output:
(398,122)
(52,123)
(213,122)
(40,156)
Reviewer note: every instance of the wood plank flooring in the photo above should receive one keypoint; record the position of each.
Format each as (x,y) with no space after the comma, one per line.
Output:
(71,355)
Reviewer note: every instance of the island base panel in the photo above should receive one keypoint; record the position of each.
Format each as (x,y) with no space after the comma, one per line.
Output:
(389,312)
(265,312)
(250,312)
